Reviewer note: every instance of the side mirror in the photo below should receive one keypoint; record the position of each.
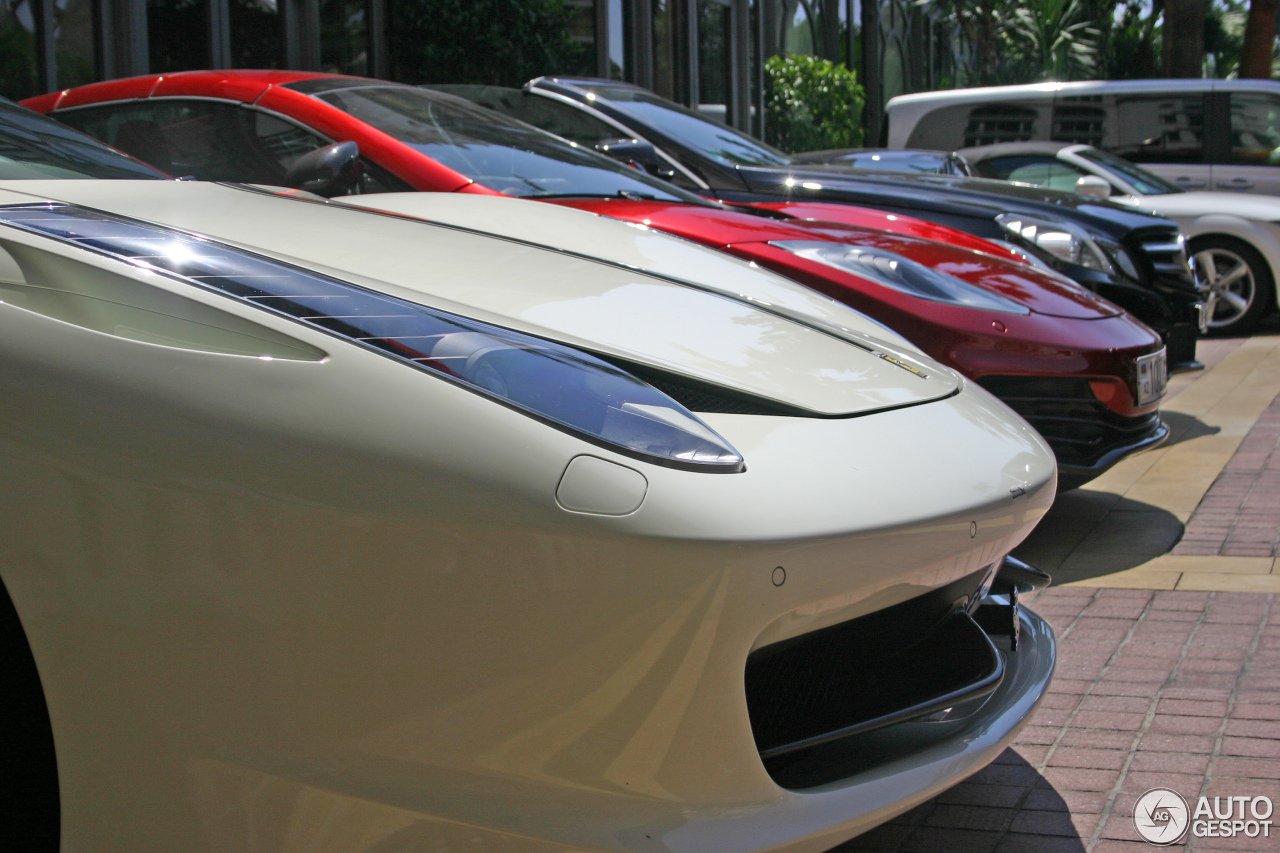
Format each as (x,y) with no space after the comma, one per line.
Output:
(1091,185)
(635,153)
(328,171)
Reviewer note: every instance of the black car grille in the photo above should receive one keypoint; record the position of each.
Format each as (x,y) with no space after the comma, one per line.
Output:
(1166,254)
(1076,424)
(900,663)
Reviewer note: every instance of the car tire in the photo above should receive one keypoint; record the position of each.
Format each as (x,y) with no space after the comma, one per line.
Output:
(29,804)
(1241,287)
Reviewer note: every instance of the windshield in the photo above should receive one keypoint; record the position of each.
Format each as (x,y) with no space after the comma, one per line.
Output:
(493,150)
(717,141)
(909,162)
(33,147)
(1141,180)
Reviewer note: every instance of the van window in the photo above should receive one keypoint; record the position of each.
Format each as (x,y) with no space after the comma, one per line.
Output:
(1079,120)
(1154,128)
(970,125)
(1255,129)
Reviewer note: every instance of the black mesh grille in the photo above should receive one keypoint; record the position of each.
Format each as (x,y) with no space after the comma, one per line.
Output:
(869,672)
(1167,257)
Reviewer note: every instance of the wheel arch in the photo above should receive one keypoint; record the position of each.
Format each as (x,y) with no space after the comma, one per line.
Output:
(1254,234)
(29,795)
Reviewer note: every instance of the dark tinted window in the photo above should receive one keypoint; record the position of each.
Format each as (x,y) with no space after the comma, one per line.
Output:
(1255,129)
(212,141)
(35,147)
(1154,128)
(969,125)
(712,139)
(491,149)
(549,114)
(1080,120)
(209,140)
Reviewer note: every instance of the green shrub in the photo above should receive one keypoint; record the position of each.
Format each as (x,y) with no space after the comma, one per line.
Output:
(811,104)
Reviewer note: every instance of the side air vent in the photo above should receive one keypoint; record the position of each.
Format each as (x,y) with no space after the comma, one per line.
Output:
(704,397)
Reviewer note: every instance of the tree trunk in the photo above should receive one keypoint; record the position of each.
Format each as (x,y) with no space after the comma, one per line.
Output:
(1183,51)
(1259,38)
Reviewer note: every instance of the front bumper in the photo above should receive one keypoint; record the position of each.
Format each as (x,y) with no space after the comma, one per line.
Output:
(845,788)
(1086,436)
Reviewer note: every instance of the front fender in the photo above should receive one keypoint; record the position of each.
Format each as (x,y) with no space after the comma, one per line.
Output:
(1262,236)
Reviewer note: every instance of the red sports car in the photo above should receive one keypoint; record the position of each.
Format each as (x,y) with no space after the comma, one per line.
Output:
(1085,374)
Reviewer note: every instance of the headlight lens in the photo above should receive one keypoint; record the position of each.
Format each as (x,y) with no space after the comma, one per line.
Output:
(1121,259)
(1061,239)
(554,383)
(902,274)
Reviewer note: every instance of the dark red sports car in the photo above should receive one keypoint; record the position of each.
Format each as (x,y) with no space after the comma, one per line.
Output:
(1084,373)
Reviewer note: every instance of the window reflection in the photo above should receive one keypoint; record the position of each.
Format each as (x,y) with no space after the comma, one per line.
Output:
(257,38)
(178,35)
(18,75)
(344,37)
(73,30)
(714,36)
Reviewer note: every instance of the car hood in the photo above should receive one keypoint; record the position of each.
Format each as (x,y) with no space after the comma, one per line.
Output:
(819,215)
(635,245)
(1044,293)
(1179,205)
(945,194)
(602,307)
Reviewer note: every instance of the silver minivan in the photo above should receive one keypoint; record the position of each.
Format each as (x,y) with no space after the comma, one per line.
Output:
(1200,134)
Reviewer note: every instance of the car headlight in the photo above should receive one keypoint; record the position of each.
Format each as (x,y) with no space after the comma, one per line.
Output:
(1063,240)
(1120,258)
(558,385)
(902,274)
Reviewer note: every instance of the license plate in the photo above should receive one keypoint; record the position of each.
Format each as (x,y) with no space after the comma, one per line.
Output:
(1153,373)
(1205,315)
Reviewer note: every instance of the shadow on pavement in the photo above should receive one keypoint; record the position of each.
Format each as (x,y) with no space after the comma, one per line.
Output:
(1003,808)
(1184,427)
(1087,534)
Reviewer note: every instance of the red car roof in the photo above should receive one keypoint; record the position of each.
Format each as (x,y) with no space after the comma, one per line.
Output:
(265,88)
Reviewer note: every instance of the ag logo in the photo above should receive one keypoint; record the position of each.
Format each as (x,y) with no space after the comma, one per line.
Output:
(1161,816)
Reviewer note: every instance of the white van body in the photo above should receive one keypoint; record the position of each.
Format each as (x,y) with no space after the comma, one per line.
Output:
(1200,134)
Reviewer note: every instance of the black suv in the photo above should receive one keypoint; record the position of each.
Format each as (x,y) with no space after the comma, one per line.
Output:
(1137,260)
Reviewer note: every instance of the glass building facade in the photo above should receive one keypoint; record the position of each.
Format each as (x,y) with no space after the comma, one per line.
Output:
(707,54)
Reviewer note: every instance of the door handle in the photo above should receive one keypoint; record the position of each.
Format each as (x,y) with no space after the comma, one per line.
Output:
(1184,181)
(1236,184)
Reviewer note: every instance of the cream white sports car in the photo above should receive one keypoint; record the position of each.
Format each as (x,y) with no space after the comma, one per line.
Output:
(327,529)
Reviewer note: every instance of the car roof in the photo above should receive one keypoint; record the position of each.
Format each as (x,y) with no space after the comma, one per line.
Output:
(1003,149)
(234,84)
(1048,90)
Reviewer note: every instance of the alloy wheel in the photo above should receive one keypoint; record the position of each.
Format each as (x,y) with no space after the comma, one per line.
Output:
(1228,283)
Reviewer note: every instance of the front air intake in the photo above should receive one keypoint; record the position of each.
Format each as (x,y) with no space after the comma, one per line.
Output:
(901,663)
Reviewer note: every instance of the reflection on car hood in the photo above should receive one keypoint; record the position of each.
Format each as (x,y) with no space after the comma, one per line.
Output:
(945,193)
(639,247)
(600,307)
(1055,296)
(1042,292)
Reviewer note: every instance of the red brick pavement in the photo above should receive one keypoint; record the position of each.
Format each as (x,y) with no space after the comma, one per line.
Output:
(1168,688)
(1240,514)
